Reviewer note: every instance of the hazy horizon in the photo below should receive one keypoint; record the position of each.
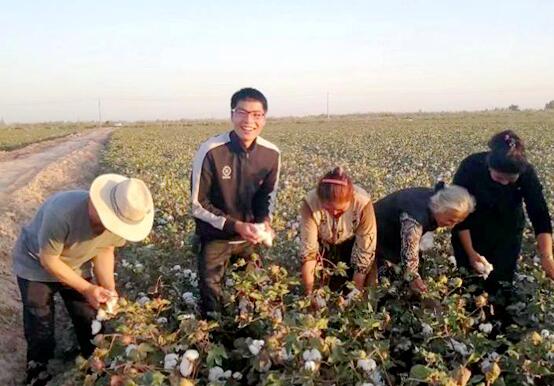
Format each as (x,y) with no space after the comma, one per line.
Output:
(171,60)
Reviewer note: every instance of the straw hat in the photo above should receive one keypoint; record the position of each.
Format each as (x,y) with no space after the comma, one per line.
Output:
(124,205)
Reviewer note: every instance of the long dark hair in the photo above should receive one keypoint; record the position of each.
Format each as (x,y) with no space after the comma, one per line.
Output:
(507,153)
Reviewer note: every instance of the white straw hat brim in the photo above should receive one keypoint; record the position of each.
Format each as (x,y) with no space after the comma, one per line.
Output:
(100,195)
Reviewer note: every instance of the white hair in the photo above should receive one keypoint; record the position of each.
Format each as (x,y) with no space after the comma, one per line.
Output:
(454,198)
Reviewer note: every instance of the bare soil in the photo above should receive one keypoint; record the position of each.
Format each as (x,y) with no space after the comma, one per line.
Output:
(27,177)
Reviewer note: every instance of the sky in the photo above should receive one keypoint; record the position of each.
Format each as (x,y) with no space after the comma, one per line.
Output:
(146,60)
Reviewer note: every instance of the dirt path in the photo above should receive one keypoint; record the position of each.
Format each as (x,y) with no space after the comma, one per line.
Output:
(27,177)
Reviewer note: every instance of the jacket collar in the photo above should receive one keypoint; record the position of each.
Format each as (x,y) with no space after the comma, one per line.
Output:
(237,145)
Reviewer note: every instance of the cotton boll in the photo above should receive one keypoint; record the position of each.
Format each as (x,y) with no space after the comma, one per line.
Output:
(368,365)
(170,361)
(426,242)
(101,315)
(426,330)
(256,346)
(186,367)
(485,328)
(312,355)
(192,355)
(310,366)
(111,305)
(189,298)
(217,374)
(237,375)
(95,327)
(459,347)
(264,236)
(484,267)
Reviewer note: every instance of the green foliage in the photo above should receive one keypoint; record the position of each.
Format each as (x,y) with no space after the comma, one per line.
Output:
(269,332)
(16,136)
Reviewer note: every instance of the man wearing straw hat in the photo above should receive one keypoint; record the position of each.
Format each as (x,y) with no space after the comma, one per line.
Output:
(53,254)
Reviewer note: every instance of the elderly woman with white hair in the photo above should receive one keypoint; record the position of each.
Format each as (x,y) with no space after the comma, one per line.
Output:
(404,216)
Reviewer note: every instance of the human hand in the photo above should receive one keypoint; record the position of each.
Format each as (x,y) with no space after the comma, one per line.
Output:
(247,231)
(480,264)
(95,295)
(418,285)
(265,233)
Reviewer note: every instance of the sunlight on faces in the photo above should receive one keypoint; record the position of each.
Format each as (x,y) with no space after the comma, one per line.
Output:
(336,209)
(450,217)
(503,178)
(248,119)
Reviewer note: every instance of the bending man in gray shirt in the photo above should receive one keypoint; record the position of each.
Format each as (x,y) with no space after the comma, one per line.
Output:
(54,251)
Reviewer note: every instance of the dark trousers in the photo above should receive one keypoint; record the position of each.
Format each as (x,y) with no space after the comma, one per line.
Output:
(339,253)
(213,259)
(502,254)
(38,321)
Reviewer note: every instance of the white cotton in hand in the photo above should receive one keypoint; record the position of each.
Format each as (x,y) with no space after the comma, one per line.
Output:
(111,305)
(484,267)
(265,236)
(101,315)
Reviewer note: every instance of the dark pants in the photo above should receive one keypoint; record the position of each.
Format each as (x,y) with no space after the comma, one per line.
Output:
(38,321)
(339,253)
(502,254)
(213,260)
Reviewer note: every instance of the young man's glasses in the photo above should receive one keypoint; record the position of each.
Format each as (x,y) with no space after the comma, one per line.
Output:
(257,115)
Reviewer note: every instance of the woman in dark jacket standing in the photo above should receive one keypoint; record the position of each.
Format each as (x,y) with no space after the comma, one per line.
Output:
(403,217)
(500,180)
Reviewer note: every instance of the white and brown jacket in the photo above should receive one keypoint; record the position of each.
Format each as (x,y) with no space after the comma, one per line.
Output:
(318,226)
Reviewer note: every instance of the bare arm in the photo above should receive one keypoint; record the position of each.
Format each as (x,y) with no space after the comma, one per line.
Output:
(308,274)
(93,293)
(104,268)
(544,246)
(309,246)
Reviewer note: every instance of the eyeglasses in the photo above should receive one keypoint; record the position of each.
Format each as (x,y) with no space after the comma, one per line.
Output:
(257,115)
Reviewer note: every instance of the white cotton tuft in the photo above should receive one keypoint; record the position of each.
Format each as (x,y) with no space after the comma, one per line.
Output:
(95,327)
(427,242)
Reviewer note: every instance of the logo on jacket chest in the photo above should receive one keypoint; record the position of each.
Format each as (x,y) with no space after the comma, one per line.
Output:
(226,172)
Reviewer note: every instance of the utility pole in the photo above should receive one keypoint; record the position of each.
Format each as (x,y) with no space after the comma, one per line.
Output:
(99,113)
(328,105)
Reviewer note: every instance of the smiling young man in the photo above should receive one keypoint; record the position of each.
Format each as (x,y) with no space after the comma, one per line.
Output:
(54,251)
(234,183)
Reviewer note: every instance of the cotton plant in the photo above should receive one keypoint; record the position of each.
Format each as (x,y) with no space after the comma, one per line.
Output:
(452,324)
